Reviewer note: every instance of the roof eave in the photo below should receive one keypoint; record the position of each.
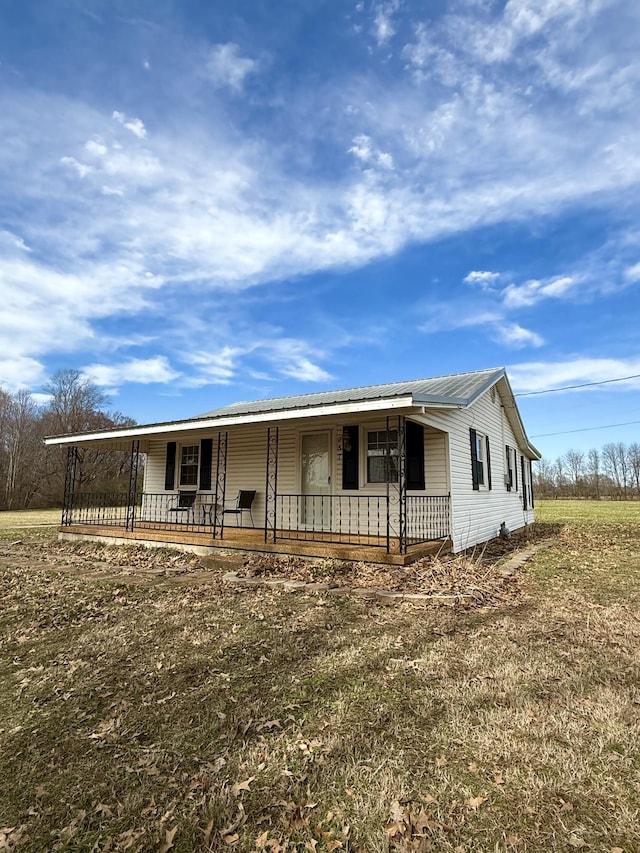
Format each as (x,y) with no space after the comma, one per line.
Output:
(150,430)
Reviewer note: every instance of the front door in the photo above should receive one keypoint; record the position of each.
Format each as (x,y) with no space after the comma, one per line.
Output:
(315,511)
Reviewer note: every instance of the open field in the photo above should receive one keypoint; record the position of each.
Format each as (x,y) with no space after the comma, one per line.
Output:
(167,713)
(20,518)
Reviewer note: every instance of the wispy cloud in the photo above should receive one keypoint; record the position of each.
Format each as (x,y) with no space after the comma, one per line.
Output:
(225,66)
(531,292)
(139,370)
(135,125)
(484,279)
(483,114)
(541,375)
(383,26)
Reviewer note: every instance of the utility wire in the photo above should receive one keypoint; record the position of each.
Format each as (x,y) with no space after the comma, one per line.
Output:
(572,387)
(584,429)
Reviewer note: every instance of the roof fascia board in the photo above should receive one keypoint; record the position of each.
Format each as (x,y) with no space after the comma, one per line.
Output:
(405,402)
(535,453)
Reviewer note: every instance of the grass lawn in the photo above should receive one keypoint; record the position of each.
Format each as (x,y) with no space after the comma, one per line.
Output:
(186,716)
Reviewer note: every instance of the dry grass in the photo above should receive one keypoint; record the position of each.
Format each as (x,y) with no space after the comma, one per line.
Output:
(29,518)
(183,716)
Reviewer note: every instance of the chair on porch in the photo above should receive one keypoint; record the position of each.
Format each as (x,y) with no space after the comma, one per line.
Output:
(183,502)
(243,504)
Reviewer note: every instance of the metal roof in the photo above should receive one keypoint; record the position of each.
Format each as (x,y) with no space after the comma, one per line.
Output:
(458,389)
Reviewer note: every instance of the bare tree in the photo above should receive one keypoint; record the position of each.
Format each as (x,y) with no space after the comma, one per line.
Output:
(593,469)
(574,460)
(23,449)
(543,477)
(633,457)
(77,405)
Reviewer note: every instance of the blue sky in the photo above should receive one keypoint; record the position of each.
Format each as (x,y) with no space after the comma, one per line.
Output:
(205,202)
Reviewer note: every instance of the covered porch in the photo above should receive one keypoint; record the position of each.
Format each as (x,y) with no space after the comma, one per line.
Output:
(391,525)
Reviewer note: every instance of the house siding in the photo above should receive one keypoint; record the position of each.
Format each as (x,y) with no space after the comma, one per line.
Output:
(476,515)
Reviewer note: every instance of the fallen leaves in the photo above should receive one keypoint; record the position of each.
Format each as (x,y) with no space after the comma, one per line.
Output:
(474,803)
(238,787)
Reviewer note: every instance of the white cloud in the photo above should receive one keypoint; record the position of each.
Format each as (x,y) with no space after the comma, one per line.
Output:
(11,241)
(632,273)
(213,368)
(482,278)
(295,359)
(384,28)
(96,148)
(515,336)
(81,168)
(470,141)
(226,67)
(365,151)
(534,291)
(18,372)
(541,375)
(141,370)
(135,125)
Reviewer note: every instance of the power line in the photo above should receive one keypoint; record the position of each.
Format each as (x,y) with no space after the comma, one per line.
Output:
(573,387)
(584,429)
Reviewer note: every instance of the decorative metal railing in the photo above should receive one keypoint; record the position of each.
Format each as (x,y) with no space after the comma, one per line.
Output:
(427,518)
(101,508)
(360,519)
(339,519)
(342,519)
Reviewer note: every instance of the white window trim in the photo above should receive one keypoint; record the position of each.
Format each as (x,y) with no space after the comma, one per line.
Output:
(514,480)
(367,429)
(188,486)
(481,455)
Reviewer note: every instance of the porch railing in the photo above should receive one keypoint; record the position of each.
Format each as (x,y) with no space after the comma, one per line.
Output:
(360,519)
(427,518)
(339,519)
(101,508)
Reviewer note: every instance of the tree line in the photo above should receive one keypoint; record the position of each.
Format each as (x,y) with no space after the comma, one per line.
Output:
(612,471)
(32,475)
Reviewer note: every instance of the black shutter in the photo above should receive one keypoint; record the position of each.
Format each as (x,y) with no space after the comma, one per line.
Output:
(206,454)
(170,469)
(488,463)
(531,484)
(350,457)
(415,455)
(525,504)
(508,458)
(515,466)
(474,459)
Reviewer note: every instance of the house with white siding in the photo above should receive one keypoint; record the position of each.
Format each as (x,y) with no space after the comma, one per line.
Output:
(384,473)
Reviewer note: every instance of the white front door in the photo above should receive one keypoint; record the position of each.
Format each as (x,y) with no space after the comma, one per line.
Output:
(316,480)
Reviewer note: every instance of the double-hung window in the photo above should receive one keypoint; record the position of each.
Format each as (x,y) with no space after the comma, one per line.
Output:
(511,474)
(382,456)
(480,460)
(189,461)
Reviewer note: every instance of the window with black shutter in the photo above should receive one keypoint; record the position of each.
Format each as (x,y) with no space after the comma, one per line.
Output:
(480,459)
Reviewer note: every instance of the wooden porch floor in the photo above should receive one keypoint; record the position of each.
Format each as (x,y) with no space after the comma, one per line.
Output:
(252,540)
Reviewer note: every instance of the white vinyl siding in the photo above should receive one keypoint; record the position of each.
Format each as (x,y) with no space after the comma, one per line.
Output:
(476,515)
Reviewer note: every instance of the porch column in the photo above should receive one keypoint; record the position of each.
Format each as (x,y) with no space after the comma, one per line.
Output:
(397,489)
(132,493)
(221,486)
(271,486)
(70,477)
